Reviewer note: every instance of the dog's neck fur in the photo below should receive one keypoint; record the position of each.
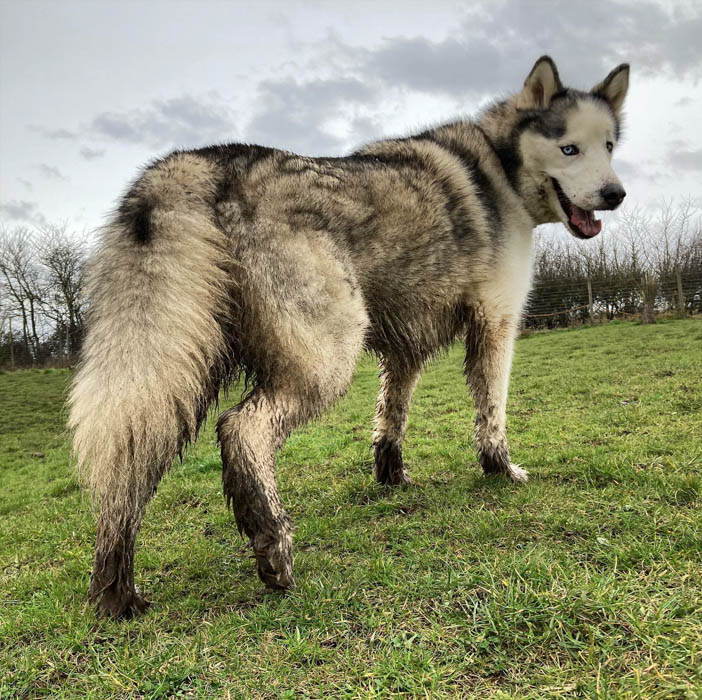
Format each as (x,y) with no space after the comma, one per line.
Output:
(501,126)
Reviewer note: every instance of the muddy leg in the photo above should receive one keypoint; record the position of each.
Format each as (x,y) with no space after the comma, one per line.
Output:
(112,582)
(489,348)
(122,508)
(250,436)
(126,492)
(305,327)
(392,411)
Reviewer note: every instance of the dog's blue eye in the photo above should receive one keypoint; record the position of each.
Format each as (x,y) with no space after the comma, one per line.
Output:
(570,150)
(610,146)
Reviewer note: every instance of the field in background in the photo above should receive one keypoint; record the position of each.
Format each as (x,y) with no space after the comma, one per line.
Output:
(586,582)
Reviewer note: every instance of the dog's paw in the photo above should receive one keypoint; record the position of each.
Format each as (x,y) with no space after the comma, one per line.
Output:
(123,605)
(274,560)
(516,474)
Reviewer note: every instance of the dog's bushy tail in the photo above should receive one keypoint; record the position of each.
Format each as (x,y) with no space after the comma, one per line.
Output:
(155,349)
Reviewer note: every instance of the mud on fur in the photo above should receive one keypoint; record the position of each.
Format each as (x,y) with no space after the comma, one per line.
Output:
(239,258)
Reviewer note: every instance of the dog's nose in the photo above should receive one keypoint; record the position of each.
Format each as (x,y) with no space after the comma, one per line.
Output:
(613,195)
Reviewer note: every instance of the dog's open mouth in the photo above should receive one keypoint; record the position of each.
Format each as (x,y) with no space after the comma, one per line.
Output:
(582,223)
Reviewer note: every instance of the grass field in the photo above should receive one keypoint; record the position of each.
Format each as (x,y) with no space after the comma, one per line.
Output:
(586,582)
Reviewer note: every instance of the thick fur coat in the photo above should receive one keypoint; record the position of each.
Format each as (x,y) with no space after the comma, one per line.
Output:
(239,258)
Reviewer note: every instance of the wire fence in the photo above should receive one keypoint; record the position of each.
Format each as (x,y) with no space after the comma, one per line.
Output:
(567,302)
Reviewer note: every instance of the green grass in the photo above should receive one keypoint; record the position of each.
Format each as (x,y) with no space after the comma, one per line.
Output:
(586,582)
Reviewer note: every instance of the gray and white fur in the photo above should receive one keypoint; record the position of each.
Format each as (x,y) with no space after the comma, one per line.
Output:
(244,259)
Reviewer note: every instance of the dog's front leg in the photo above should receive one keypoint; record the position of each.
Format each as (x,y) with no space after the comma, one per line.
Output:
(392,410)
(489,347)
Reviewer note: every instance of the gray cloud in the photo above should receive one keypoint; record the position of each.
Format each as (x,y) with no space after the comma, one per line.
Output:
(364,130)
(55,134)
(51,172)
(684,102)
(178,122)
(276,128)
(494,50)
(625,168)
(61,134)
(448,66)
(92,153)
(22,211)
(490,53)
(641,170)
(291,115)
(686,159)
(26,183)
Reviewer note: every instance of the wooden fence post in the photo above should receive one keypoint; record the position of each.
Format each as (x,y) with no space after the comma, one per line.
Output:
(649,289)
(681,296)
(589,299)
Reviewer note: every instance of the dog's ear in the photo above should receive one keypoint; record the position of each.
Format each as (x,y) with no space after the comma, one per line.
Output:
(540,86)
(613,88)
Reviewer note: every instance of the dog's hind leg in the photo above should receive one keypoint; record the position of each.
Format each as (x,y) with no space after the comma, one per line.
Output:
(306,325)
(112,582)
(397,384)
(489,347)
(250,435)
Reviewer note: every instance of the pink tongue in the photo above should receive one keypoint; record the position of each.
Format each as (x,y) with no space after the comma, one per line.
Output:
(585,221)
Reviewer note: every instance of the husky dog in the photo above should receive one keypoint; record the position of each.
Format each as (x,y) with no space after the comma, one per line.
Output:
(239,258)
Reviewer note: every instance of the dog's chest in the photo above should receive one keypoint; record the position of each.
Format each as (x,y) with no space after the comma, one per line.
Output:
(509,277)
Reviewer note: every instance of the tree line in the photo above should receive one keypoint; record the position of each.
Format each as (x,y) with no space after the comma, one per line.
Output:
(645,264)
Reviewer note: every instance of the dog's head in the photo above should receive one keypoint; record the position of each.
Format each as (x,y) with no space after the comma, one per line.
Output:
(566,139)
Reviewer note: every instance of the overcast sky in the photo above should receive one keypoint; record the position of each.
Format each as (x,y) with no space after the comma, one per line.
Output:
(90,90)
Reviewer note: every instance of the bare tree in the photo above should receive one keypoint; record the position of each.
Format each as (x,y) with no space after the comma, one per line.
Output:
(22,283)
(41,292)
(63,257)
(6,330)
